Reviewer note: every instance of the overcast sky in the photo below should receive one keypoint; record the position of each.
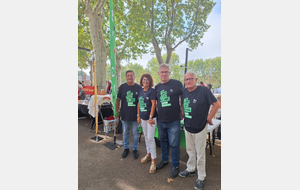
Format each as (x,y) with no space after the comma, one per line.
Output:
(211,42)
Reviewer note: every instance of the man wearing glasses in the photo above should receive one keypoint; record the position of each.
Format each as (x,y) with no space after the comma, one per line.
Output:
(167,94)
(128,95)
(196,102)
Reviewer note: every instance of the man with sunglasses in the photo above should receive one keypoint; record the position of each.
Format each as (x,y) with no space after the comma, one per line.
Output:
(196,102)
(168,93)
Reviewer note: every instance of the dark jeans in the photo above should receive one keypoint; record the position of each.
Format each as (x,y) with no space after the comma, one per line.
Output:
(169,135)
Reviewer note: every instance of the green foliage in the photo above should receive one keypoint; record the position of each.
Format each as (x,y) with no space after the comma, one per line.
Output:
(84,38)
(153,66)
(128,44)
(173,22)
(137,69)
(208,71)
(133,35)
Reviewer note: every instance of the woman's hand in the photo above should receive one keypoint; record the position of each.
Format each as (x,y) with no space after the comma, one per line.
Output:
(138,119)
(151,122)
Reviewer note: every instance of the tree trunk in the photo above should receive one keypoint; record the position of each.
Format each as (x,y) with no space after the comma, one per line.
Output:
(91,72)
(169,55)
(118,70)
(95,24)
(157,51)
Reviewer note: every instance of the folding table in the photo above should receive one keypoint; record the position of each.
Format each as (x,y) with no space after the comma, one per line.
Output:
(210,129)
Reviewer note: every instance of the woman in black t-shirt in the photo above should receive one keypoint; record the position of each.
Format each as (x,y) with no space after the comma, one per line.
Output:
(146,115)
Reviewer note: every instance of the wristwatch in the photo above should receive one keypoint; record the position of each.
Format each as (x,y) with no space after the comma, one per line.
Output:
(138,115)
(150,116)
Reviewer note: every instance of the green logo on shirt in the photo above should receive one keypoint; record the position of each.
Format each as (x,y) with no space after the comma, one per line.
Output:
(142,104)
(129,98)
(187,109)
(164,99)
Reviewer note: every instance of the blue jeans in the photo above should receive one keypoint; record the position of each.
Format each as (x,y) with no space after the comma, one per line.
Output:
(169,135)
(135,133)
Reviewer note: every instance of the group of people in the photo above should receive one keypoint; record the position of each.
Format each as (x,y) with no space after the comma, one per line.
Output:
(165,106)
(82,95)
(209,86)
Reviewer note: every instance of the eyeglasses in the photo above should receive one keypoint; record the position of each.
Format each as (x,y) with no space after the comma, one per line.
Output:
(189,79)
(164,72)
(146,80)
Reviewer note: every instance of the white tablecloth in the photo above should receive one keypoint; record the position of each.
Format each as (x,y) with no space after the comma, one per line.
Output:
(216,123)
(100,100)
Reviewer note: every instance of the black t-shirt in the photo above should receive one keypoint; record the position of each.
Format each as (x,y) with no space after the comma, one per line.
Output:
(129,99)
(167,96)
(196,106)
(146,104)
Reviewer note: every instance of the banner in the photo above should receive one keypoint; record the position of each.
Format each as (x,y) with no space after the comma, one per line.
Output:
(113,57)
(89,90)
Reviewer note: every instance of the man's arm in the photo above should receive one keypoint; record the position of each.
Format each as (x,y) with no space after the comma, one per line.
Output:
(213,111)
(181,106)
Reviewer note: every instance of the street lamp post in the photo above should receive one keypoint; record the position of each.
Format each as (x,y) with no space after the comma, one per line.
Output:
(186,60)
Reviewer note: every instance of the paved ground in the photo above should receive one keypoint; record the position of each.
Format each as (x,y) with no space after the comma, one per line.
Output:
(102,168)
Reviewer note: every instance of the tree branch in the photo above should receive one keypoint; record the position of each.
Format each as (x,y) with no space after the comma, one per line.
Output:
(167,20)
(191,29)
(87,7)
(171,26)
(152,17)
(85,58)
(99,5)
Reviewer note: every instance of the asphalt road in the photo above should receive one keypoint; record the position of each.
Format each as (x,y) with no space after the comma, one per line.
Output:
(102,168)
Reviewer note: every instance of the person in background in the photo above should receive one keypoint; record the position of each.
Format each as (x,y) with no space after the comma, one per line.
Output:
(82,83)
(168,94)
(146,114)
(201,83)
(78,88)
(81,94)
(196,102)
(128,95)
(108,89)
(209,86)
(218,90)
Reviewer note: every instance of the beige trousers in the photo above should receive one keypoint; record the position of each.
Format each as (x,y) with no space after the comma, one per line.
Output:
(195,148)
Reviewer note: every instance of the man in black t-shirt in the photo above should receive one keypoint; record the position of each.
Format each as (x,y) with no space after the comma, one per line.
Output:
(168,92)
(196,102)
(128,95)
